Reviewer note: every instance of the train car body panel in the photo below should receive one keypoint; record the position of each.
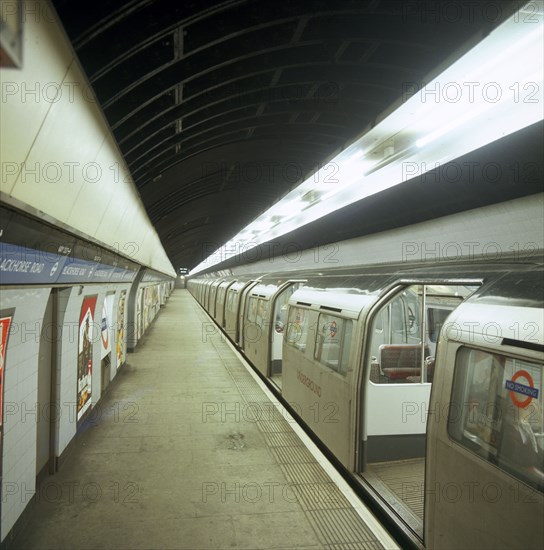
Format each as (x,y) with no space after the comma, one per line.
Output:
(257,325)
(232,308)
(221,301)
(212,303)
(242,312)
(485,462)
(265,316)
(317,351)
(319,395)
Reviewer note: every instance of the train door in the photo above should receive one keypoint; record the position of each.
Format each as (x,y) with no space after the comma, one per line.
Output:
(231,311)
(279,320)
(213,297)
(243,313)
(219,303)
(399,368)
(206,294)
(316,374)
(252,331)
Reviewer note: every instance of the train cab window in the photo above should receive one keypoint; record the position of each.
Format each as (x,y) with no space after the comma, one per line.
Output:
(297,328)
(333,340)
(496,411)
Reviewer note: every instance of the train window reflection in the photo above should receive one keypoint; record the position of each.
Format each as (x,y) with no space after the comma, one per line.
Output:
(496,411)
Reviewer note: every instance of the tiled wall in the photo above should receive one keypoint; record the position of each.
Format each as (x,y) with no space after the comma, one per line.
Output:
(21,382)
(20,397)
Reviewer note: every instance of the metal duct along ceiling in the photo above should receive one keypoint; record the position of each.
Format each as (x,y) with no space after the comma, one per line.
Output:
(220,108)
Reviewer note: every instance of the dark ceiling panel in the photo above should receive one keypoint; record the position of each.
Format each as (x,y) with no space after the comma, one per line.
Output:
(222,106)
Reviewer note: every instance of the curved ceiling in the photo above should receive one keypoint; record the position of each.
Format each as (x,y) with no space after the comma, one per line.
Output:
(221,107)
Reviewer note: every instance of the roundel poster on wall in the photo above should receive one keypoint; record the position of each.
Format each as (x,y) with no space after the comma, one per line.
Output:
(85,354)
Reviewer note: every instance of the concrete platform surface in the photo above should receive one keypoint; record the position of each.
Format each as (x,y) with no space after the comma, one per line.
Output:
(186,451)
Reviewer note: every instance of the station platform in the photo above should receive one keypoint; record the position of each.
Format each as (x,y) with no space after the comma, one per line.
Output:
(189,450)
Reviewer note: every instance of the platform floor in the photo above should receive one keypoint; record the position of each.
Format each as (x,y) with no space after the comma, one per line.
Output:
(189,452)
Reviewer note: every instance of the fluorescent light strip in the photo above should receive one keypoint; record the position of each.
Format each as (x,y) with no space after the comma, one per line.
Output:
(421,133)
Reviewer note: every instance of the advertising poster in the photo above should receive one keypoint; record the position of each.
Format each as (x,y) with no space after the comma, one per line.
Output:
(156,301)
(121,344)
(139,320)
(85,354)
(5,322)
(162,292)
(147,306)
(107,315)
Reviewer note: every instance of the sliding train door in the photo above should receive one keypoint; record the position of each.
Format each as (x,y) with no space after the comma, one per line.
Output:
(279,321)
(398,369)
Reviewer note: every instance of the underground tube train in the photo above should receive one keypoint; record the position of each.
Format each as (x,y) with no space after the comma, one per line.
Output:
(424,381)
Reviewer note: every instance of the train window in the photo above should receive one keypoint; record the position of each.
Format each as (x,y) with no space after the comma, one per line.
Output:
(378,325)
(280,307)
(398,321)
(396,345)
(403,338)
(252,309)
(230,300)
(297,328)
(436,317)
(233,299)
(262,311)
(333,340)
(496,412)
